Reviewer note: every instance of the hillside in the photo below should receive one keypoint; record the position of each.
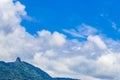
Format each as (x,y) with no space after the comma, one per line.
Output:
(20,70)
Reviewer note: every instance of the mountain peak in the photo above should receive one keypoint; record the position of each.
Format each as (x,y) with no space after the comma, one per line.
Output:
(24,71)
(18,59)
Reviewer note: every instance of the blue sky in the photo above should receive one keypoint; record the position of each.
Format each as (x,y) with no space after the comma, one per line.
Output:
(65,38)
(57,15)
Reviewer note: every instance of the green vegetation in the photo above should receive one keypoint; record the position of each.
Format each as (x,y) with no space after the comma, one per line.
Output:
(23,71)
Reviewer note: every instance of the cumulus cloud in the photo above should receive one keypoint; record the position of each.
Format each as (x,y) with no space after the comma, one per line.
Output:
(10,14)
(55,39)
(97,58)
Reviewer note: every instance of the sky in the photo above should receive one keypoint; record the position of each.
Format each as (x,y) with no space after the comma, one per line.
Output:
(77,39)
(58,15)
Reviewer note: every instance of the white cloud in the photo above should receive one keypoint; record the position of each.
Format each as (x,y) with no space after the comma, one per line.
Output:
(114,25)
(55,39)
(10,15)
(97,58)
(97,40)
(82,31)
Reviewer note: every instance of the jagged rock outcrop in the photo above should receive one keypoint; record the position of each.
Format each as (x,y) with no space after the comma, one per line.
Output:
(18,59)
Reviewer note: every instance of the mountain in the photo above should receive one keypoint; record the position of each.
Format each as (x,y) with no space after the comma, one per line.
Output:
(20,70)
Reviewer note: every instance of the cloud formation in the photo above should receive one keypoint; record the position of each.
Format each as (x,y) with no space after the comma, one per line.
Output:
(97,58)
(82,31)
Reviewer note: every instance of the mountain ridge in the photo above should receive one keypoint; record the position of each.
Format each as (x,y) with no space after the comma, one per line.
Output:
(20,70)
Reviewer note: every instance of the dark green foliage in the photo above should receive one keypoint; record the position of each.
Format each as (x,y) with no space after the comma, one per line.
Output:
(23,71)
